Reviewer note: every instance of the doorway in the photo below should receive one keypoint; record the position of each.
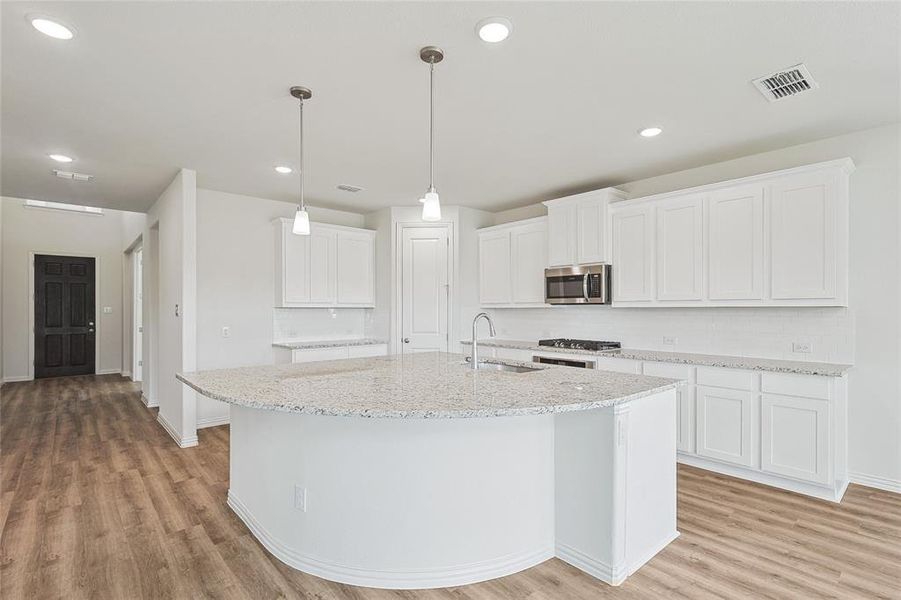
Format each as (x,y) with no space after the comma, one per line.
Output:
(138,312)
(65,335)
(425,288)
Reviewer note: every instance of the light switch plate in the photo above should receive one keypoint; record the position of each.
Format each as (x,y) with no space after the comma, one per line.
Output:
(107,310)
(226,332)
(300,498)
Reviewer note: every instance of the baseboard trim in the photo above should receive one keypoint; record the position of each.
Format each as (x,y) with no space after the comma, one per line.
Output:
(415,580)
(108,372)
(127,374)
(212,421)
(832,493)
(148,402)
(611,574)
(17,378)
(880,483)
(183,442)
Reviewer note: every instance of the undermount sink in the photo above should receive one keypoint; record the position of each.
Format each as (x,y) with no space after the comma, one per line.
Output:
(488,366)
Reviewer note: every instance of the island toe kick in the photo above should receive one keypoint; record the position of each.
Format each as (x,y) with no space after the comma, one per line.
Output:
(426,503)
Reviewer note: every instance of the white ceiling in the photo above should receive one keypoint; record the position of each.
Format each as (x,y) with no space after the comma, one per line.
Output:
(145,88)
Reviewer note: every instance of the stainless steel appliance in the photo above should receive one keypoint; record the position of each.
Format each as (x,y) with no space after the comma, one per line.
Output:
(583,284)
(566,362)
(593,345)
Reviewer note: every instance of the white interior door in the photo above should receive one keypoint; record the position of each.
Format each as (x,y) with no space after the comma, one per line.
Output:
(424,295)
(138,312)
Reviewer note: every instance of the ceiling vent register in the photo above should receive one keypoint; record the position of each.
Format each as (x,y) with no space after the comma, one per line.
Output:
(344,187)
(786,83)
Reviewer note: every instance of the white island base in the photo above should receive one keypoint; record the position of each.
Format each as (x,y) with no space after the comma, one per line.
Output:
(434,502)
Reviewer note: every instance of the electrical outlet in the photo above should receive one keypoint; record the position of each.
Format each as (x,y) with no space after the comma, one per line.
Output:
(669,340)
(107,310)
(300,498)
(226,332)
(803,347)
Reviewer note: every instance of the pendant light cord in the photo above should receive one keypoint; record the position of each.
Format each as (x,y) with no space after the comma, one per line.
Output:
(302,207)
(431,126)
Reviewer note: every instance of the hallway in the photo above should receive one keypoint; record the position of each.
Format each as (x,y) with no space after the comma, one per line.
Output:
(98,502)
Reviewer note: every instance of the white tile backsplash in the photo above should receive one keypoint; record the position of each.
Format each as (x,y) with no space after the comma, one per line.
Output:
(307,324)
(753,332)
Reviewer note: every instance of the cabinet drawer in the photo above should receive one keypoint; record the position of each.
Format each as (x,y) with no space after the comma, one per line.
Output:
(362,351)
(314,354)
(789,384)
(670,370)
(620,365)
(735,379)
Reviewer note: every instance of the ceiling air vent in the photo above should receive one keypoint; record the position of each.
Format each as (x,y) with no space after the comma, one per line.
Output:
(350,188)
(787,82)
(73,176)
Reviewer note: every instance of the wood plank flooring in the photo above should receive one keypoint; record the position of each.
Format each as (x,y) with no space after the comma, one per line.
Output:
(96,501)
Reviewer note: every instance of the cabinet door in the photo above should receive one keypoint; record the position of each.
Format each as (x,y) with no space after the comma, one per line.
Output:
(295,267)
(724,425)
(794,437)
(322,265)
(355,268)
(735,243)
(494,268)
(561,228)
(803,253)
(528,245)
(685,400)
(591,227)
(680,246)
(633,254)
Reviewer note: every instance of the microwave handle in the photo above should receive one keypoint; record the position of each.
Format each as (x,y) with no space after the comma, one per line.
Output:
(585,288)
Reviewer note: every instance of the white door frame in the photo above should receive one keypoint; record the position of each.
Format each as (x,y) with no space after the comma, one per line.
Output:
(397,329)
(97,303)
(137,275)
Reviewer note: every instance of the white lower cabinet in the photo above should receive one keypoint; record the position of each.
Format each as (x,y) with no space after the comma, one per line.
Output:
(305,355)
(795,437)
(724,425)
(685,400)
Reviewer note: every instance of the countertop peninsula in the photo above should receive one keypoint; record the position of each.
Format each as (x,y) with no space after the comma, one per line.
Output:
(426,385)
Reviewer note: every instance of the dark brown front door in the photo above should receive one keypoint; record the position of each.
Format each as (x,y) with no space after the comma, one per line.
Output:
(64,332)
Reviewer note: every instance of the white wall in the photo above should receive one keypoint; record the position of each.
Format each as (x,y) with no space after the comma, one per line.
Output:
(236,287)
(868,333)
(173,252)
(51,231)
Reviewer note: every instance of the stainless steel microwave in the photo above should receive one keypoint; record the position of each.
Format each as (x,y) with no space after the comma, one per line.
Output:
(583,284)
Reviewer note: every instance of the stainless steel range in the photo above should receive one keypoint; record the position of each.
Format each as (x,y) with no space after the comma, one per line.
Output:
(571,344)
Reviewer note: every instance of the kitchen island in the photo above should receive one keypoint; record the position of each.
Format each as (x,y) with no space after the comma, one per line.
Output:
(417,471)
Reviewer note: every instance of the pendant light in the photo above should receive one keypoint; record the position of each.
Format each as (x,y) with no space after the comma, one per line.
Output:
(301,217)
(431,207)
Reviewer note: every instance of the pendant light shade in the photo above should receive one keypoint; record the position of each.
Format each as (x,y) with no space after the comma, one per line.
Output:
(301,216)
(431,206)
(301,222)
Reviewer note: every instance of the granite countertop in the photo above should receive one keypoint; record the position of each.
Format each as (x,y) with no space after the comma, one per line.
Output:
(708,360)
(308,345)
(424,385)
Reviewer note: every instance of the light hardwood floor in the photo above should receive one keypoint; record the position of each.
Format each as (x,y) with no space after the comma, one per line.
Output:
(98,502)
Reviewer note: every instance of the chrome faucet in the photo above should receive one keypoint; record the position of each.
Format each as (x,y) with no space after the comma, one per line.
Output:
(475,342)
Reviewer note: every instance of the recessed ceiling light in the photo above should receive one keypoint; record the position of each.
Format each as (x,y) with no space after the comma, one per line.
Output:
(284,170)
(494,29)
(60,158)
(54,29)
(650,132)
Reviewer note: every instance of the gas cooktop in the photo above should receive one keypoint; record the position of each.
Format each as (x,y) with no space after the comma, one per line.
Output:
(593,345)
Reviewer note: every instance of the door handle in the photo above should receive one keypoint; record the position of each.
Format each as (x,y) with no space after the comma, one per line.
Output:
(406,340)
(585,287)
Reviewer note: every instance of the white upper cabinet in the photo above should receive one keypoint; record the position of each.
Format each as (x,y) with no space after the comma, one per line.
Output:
(577,228)
(680,248)
(633,254)
(512,258)
(735,239)
(803,236)
(495,281)
(776,239)
(334,266)
(355,267)
(528,245)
